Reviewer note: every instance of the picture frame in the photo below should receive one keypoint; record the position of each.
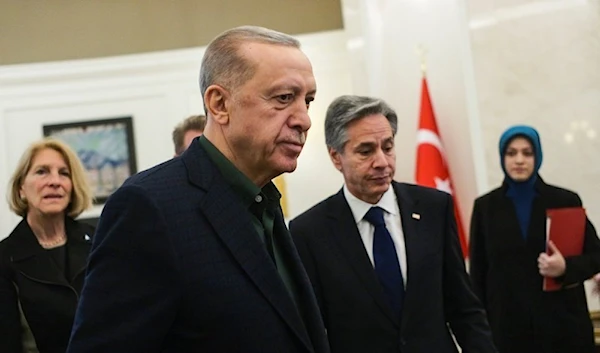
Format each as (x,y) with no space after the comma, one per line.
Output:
(106,149)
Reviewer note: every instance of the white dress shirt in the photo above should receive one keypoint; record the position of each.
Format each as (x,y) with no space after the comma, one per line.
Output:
(391,216)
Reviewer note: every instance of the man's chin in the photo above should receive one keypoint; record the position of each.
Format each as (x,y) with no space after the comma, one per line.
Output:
(287,166)
(290,168)
(383,183)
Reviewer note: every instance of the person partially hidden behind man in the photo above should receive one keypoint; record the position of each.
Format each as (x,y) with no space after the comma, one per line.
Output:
(193,255)
(186,131)
(384,257)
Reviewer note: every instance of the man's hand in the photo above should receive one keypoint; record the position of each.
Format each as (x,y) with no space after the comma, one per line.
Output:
(552,265)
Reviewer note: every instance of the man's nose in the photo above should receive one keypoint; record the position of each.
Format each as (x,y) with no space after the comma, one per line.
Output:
(380,159)
(301,119)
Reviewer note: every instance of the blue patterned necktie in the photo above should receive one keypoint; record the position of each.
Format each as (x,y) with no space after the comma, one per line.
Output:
(387,266)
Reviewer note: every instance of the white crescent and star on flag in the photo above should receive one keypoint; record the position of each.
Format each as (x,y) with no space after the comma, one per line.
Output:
(425,136)
(443,185)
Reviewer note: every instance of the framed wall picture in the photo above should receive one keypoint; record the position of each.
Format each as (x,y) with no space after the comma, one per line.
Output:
(106,149)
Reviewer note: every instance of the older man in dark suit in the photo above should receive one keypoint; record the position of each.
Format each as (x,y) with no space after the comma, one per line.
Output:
(384,257)
(193,255)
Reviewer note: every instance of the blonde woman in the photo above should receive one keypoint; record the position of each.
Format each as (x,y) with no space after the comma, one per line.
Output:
(43,260)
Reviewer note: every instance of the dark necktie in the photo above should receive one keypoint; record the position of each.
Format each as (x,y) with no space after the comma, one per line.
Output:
(387,266)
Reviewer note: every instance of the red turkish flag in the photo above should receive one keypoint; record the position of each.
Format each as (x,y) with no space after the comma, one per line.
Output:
(432,168)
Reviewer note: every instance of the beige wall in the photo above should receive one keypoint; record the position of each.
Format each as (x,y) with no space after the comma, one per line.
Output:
(38,31)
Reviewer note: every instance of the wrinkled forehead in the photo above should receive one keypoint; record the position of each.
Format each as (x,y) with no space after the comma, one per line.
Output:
(281,68)
(269,55)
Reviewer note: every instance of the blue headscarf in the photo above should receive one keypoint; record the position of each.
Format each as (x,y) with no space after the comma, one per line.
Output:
(522,193)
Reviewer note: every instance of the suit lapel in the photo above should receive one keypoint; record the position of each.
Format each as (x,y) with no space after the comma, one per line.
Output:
(233,225)
(306,300)
(78,248)
(31,260)
(344,231)
(409,206)
(536,237)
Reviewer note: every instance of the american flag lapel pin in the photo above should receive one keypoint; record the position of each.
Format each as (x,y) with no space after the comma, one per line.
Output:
(416,216)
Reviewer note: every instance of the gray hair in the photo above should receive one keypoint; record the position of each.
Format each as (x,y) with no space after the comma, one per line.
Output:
(223,65)
(345,109)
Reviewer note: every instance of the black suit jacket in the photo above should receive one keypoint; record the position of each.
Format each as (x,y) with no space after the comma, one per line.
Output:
(438,296)
(177,266)
(506,276)
(35,292)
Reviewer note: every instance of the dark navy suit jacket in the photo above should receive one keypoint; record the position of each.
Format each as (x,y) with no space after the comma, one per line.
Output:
(438,302)
(176,266)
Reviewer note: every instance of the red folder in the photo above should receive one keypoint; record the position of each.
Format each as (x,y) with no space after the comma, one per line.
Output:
(566,228)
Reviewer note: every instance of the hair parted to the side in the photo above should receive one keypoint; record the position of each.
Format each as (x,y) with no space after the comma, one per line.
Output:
(222,65)
(345,109)
(81,196)
(194,122)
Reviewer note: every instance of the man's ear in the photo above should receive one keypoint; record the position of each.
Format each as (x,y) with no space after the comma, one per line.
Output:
(215,99)
(336,158)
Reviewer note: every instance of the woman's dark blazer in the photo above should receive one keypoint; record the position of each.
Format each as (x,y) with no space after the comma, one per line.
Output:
(35,297)
(504,271)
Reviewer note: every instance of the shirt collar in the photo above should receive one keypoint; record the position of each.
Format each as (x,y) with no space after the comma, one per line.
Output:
(246,190)
(360,208)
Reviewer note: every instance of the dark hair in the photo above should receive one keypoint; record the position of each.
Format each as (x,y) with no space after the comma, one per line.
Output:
(194,122)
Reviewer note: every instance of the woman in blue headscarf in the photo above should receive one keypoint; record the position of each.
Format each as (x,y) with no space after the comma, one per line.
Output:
(508,259)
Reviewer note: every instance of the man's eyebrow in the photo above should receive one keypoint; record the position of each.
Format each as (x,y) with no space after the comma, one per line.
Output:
(365,144)
(296,88)
(283,87)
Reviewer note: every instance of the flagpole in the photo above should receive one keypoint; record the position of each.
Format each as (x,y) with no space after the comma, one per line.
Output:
(422,53)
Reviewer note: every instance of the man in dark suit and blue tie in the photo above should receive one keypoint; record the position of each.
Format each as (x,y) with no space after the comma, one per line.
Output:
(384,257)
(193,255)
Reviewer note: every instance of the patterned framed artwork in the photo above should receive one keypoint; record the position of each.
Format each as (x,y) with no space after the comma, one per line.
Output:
(106,149)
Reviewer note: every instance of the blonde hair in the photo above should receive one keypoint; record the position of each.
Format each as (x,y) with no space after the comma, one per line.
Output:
(81,195)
